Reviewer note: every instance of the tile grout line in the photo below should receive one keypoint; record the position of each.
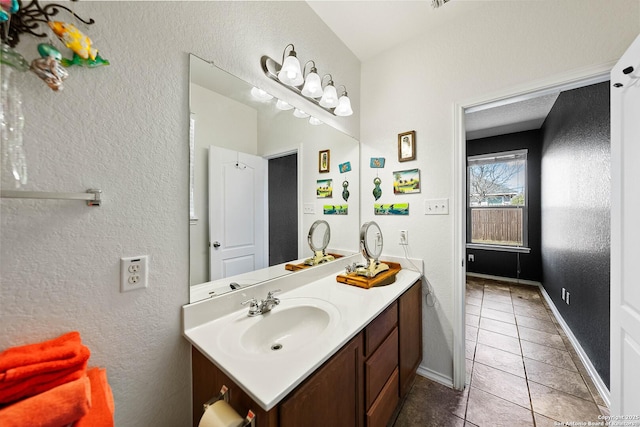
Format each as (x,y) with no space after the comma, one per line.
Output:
(526,377)
(530,409)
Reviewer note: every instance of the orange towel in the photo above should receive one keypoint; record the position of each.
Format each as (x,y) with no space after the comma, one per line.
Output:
(53,350)
(34,368)
(102,407)
(56,407)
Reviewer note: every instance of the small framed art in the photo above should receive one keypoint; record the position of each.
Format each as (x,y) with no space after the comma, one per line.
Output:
(324,188)
(324,161)
(406,182)
(407,146)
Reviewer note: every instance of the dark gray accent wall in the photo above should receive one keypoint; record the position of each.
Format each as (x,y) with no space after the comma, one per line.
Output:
(283,209)
(576,216)
(506,264)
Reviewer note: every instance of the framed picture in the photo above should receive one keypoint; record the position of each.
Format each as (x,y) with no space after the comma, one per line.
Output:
(324,188)
(391,209)
(377,162)
(345,167)
(335,209)
(406,182)
(324,161)
(407,146)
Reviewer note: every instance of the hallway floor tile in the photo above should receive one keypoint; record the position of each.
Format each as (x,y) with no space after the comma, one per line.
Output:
(521,368)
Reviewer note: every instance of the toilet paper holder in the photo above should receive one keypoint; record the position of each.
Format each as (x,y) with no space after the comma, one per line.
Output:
(249,420)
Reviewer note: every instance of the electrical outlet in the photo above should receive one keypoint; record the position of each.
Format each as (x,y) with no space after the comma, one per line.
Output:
(404,237)
(309,208)
(472,257)
(134,273)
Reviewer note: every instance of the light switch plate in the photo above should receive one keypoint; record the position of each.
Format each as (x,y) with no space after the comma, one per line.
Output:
(436,207)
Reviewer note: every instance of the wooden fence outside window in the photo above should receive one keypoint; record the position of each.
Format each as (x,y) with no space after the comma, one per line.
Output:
(497,226)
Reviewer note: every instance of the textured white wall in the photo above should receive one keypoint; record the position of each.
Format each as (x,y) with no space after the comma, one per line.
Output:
(414,87)
(124,129)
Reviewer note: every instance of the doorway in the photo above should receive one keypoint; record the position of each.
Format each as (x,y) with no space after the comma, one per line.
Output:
(283,209)
(566,82)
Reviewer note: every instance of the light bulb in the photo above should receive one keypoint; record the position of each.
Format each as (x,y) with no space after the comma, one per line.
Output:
(344,106)
(290,73)
(281,105)
(312,85)
(314,121)
(329,97)
(300,114)
(260,94)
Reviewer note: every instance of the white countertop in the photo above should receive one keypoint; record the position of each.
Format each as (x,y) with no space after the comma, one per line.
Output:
(218,287)
(269,377)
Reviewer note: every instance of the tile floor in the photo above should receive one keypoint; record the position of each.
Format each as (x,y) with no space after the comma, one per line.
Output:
(521,368)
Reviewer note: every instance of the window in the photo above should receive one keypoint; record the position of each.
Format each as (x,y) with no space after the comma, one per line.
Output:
(497,199)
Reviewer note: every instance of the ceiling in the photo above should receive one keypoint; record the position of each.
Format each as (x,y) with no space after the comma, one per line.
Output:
(371,27)
(510,118)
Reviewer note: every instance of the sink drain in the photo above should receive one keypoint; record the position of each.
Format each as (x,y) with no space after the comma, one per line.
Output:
(276,347)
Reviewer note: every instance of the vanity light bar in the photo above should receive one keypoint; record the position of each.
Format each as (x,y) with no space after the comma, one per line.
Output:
(272,70)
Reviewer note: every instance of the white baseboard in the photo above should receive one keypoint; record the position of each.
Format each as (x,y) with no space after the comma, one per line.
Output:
(435,376)
(600,385)
(505,279)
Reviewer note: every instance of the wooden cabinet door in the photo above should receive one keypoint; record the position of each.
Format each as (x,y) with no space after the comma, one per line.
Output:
(332,396)
(410,339)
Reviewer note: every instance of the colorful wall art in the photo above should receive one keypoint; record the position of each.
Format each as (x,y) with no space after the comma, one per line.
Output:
(391,209)
(335,209)
(406,182)
(377,162)
(324,189)
(344,167)
(324,161)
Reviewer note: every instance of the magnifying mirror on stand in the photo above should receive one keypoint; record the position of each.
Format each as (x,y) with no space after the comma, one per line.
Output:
(371,247)
(318,238)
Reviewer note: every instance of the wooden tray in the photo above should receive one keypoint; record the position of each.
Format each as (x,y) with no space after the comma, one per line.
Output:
(298,267)
(385,278)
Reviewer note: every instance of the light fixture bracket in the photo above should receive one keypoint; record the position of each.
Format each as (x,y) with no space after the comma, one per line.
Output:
(270,68)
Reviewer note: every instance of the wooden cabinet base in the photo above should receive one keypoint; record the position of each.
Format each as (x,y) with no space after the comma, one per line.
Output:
(331,396)
(207,381)
(337,394)
(410,335)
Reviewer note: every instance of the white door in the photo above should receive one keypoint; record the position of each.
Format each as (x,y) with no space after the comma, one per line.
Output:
(237,212)
(625,235)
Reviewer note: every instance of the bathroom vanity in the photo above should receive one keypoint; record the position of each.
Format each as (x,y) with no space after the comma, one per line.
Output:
(352,358)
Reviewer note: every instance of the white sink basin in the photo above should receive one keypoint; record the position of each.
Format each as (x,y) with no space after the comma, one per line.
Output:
(289,326)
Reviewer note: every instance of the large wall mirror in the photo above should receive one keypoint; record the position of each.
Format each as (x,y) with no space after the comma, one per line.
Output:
(259,179)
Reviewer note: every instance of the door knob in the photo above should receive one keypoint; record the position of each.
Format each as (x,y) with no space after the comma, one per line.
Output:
(216,244)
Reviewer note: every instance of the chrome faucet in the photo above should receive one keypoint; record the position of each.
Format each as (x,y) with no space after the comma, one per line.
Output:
(270,301)
(258,307)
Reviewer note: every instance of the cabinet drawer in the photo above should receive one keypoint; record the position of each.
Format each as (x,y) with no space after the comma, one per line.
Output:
(380,366)
(378,330)
(384,406)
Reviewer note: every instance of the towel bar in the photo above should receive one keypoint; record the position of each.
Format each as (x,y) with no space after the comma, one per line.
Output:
(249,420)
(92,196)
